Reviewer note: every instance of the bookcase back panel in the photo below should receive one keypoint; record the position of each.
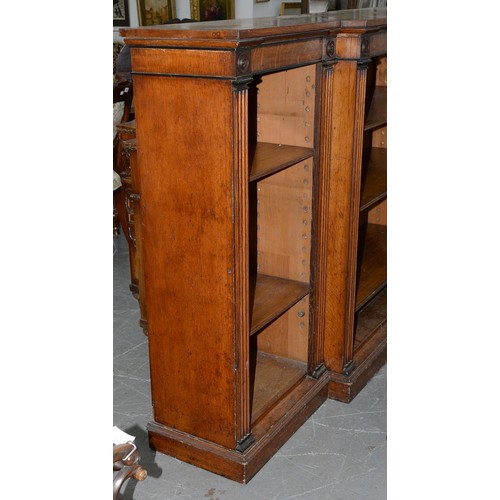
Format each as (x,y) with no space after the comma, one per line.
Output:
(378,214)
(285,107)
(288,335)
(381,71)
(379,138)
(377,72)
(284,208)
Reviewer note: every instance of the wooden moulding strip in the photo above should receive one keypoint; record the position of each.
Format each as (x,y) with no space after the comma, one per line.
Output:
(270,434)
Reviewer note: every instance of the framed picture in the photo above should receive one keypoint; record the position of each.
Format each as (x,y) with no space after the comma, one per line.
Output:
(120,13)
(212,10)
(155,11)
(290,8)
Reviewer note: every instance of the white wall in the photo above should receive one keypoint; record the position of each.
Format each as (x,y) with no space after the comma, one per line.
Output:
(266,9)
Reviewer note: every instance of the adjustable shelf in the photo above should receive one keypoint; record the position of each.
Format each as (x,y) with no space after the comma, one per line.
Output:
(370,319)
(272,297)
(268,158)
(372,258)
(374,181)
(376,106)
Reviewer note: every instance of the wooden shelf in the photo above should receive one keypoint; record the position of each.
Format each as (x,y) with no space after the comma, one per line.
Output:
(372,263)
(272,297)
(376,107)
(267,158)
(374,182)
(274,377)
(369,319)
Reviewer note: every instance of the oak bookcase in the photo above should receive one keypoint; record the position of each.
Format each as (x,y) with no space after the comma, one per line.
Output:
(236,145)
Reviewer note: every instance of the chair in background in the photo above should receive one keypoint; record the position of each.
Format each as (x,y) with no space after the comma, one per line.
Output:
(126,462)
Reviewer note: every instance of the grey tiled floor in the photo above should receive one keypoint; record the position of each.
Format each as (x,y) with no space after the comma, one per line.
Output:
(339,453)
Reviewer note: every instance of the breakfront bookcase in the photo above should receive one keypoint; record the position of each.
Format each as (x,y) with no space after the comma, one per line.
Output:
(237,138)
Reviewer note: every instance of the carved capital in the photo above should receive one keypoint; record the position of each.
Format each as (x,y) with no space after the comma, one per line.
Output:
(241,84)
(363,63)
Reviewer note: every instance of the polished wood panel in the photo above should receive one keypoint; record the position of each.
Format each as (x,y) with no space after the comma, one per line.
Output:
(200,63)
(189,294)
(298,53)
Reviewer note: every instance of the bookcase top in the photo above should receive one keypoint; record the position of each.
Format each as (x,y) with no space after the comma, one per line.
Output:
(233,32)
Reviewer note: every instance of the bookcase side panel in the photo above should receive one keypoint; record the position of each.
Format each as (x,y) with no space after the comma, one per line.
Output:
(188,242)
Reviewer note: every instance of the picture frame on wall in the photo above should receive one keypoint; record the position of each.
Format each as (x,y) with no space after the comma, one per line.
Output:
(211,10)
(120,13)
(153,12)
(290,8)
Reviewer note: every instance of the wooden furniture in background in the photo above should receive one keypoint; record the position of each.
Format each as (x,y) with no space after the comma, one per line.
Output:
(235,130)
(122,98)
(356,314)
(131,185)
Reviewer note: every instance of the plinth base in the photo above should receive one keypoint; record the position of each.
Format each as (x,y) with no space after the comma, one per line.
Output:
(270,433)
